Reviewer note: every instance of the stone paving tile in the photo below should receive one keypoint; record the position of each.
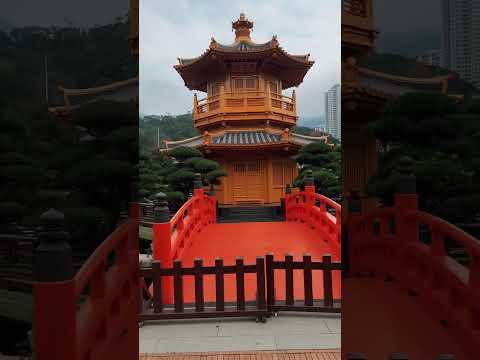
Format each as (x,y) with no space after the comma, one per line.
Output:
(292,331)
(215,343)
(174,329)
(308,341)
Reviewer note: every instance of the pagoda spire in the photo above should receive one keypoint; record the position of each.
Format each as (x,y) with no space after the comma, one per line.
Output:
(242,28)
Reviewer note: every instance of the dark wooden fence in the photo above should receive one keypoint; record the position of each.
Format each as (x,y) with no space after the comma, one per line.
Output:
(154,308)
(308,303)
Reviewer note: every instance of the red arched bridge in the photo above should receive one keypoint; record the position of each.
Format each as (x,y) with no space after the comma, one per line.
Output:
(201,269)
(95,313)
(310,231)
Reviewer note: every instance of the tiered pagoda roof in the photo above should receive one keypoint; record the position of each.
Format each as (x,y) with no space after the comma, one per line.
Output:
(369,87)
(247,139)
(268,57)
(126,90)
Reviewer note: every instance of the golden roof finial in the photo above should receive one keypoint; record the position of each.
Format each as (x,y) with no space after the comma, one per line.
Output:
(274,41)
(213,43)
(242,27)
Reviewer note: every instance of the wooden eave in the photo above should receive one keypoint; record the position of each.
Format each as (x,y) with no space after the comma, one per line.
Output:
(197,72)
(98,89)
(250,147)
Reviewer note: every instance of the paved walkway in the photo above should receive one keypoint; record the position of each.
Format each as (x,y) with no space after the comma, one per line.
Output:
(250,355)
(250,240)
(285,332)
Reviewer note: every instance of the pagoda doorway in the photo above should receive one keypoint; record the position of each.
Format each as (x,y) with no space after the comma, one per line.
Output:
(249,179)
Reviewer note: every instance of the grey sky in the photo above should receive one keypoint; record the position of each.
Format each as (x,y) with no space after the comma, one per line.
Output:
(183,28)
(84,13)
(408,27)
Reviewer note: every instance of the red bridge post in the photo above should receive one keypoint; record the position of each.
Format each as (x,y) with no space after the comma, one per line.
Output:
(406,202)
(309,198)
(54,302)
(352,236)
(198,193)
(162,241)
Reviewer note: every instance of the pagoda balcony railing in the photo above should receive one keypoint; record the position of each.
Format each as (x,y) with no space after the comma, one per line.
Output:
(355,7)
(237,102)
(358,28)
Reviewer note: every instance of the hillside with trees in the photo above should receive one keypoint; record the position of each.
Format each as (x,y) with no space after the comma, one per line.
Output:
(442,138)
(83,166)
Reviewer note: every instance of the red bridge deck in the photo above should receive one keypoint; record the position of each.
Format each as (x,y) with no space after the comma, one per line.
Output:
(250,240)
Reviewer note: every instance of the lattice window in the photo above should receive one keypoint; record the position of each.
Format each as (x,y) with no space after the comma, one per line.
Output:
(239,168)
(244,67)
(245,83)
(251,83)
(215,89)
(273,87)
(238,83)
(278,178)
(254,167)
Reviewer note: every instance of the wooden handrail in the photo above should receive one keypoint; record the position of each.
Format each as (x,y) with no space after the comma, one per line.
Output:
(243,94)
(302,206)
(99,257)
(448,290)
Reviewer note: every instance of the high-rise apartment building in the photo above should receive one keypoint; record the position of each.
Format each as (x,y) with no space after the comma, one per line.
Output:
(333,117)
(432,58)
(461,38)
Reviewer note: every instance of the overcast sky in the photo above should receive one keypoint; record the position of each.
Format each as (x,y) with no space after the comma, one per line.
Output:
(84,13)
(408,27)
(183,28)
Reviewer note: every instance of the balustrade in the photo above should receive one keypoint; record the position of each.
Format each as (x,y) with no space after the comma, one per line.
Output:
(80,317)
(355,7)
(448,290)
(316,211)
(244,101)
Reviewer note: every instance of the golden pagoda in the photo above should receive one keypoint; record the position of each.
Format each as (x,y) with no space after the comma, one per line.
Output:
(244,120)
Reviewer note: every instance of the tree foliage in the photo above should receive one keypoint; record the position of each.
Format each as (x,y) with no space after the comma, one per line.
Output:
(325,162)
(173,172)
(442,138)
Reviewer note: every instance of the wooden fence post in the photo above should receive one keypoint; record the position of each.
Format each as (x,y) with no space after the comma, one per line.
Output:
(289,287)
(199,297)
(327,280)
(54,302)
(219,285)
(240,282)
(261,303)
(270,274)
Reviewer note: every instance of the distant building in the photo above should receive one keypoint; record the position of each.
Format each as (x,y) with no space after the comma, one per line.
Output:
(333,119)
(461,40)
(432,58)
(320,128)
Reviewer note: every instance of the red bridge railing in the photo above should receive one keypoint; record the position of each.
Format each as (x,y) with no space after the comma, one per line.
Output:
(171,237)
(318,212)
(386,243)
(92,315)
